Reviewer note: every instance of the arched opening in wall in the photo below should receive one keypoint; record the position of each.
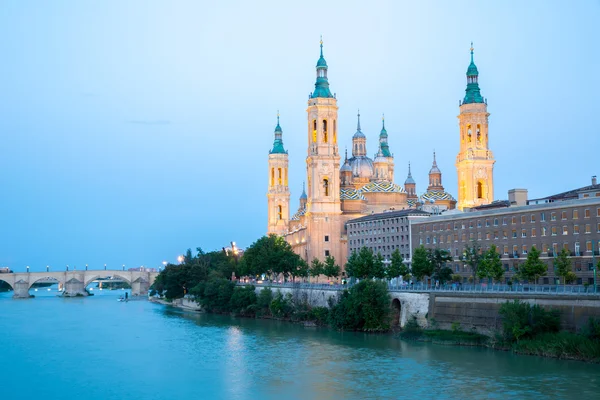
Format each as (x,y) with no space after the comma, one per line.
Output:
(325,131)
(279,212)
(334,132)
(326,186)
(469,133)
(46,287)
(396,308)
(5,287)
(314,135)
(279,176)
(272,176)
(108,285)
(479,190)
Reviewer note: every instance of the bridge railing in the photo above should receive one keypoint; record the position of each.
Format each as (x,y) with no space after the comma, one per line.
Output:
(452,287)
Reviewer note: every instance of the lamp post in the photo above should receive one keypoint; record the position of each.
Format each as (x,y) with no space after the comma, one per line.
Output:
(123,267)
(105,267)
(180,259)
(86,267)
(67,267)
(28,269)
(47,268)
(164,263)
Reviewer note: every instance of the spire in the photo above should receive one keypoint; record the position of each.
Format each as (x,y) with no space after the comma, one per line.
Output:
(346,165)
(303,195)
(322,84)
(278,142)
(434,168)
(472,94)
(358,133)
(409,178)
(384,147)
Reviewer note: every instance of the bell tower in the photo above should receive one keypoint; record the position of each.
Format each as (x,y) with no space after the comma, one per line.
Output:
(278,194)
(475,161)
(322,168)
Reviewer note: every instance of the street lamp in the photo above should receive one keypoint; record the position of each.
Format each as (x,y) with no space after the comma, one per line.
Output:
(86,267)
(47,268)
(105,267)
(67,267)
(179,259)
(164,263)
(28,268)
(123,267)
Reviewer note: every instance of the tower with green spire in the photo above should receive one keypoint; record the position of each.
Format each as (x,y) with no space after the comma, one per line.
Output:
(475,161)
(278,194)
(322,84)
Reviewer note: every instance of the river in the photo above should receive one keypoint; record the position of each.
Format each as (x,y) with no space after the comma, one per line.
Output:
(98,348)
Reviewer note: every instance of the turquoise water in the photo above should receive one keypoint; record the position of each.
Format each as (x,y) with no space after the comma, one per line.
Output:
(98,348)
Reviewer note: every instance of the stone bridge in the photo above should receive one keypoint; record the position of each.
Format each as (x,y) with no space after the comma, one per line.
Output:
(75,282)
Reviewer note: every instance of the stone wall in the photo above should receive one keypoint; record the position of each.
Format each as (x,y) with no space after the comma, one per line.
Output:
(314,297)
(480,311)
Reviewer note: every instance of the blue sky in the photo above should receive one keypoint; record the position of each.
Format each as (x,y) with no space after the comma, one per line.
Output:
(132,130)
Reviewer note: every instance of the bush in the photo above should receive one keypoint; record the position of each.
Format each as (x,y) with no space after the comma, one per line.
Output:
(521,320)
(263,301)
(319,314)
(281,306)
(560,345)
(592,331)
(214,295)
(243,300)
(365,307)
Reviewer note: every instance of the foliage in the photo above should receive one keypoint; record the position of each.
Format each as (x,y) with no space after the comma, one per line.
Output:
(281,306)
(560,345)
(243,300)
(456,278)
(317,268)
(438,259)
(522,320)
(271,255)
(365,307)
(491,265)
(570,277)
(472,257)
(421,266)
(263,301)
(319,314)
(533,268)
(365,264)
(562,264)
(592,330)
(397,267)
(331,269)
(214,294)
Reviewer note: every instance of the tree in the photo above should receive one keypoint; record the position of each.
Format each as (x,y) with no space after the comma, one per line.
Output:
(331,269)
(365,307)
(378,270)
(421,265)
(397,267)
(491,265)
(472,257)
(316,268)
(302,269)
(352,264)
(533,268)
(438,259)
(270,255)
(362,264)
(562,264)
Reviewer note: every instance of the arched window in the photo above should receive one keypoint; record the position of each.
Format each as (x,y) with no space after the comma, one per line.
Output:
(478,133)
(469,133)
(326,186)
(479,190)
(325,131)
(279,176)
(314,130)
(334,133)
(285,174)
(272,176)
(280,212)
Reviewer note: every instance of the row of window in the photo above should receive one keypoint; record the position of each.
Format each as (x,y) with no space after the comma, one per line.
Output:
(495,235)
(564,215)
(385,239)
(382,222)
(393,229)
(385,250)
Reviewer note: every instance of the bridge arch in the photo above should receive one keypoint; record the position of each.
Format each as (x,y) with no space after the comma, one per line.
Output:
(49,278)
(8,282)
(106,275)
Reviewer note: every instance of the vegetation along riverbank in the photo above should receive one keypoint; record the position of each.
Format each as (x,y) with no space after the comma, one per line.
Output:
(207,281)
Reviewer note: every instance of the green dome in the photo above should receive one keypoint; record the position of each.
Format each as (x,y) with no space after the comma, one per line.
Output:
(321,63)
(322,84)
(278,142)
(472,93)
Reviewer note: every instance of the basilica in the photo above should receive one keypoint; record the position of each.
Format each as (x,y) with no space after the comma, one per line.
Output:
(337,191)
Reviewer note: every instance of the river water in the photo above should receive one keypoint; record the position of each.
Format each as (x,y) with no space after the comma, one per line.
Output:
(98,348)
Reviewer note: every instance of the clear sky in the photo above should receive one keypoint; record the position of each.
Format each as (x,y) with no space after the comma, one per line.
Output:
(133,130)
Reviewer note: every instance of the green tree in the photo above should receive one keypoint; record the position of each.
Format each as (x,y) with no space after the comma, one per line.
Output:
(317,268)
(331,269)
(472,257)
(270,255)
(302,269)
(365,307)
(397,267)
(361,265)
(352,265)
(491,265)
(421,265)
(562,264)
(533,268)
(378,270)
(438,259)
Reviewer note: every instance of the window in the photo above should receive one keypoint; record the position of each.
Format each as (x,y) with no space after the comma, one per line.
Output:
(427,240)
(314,135)
(326,186)
(588,228)
(326,253)
(495,235)
(554,249)
(479,224)
(514,233)
(597,210)
(565,230)
(505,249)
(563,215)
(543,217)
(553,216)
(544,248)
(464,237)
(478,235)
(456,237)
(504,235)
(532,218)
(577,250)
(523,233)
(487,223)
(470,224)
(327,238)
(479,190)
(504,221)
(544,231)
(598,227)
(588,246)
(515,249)
(523,219)
(495,221)
(524,248)
(575,214)
(513,220)
(575,229)
(487,236)
(587,213)
(533,232)
(279,212)
(554,230)
(324,131)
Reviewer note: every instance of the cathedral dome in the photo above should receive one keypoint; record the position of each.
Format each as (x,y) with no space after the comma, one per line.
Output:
(362,166)
(434,195)
(382,187)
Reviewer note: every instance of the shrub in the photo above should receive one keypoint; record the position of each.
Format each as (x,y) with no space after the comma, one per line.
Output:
(263,301)
(319,315)
(521,320)
(592,330)
(281,306)
(215,294)
(242,300)
(365,307)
